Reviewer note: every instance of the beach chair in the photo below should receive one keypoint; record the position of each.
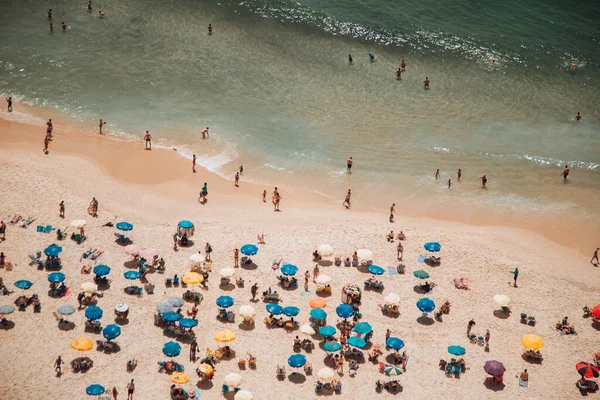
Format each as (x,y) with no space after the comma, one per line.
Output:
(225,389)
(75,366)
(524,384)
(176,281)
(149,288)
(230,316)
(338,387)
(318,387)
(37,307)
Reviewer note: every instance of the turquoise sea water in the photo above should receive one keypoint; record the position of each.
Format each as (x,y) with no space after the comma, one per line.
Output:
(274,85)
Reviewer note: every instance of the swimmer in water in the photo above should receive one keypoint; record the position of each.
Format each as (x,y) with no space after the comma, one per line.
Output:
(493,62)
(49,13)
(426,83)
(205,133)
(578,116)
(573,65)
(64,26)
(89,4)
(371,57)
(437,174)
(209,29)
(399,73)
(403,65)
(565,172)
(459,174)
(100,14)
(449,183)
(350,58)
(483,181)
(51,27)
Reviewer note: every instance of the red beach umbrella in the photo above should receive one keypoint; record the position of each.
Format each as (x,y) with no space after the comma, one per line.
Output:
(587,370)
(596,311)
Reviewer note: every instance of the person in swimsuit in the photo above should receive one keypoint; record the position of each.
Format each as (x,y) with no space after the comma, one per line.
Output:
(51,27)
(89,4)
(9,101)
(130,390)
(277,200)
(483,180)
(148,140)
(399,73)
(236,257)
(349,164)
(350,58)
(426,83)
(194,163)
(274,194)
(209,29)
(403,65)
(49,13)
(100,125)
(61,209)
(595,257)
(459,174)
(241,170)
(64,26)
(392,212)
(237,179)
(264,196)
(100,14)
(58,366)
(205,133)
(437,174)
(449,183)
(371,57)
(347,200)
(46,141)
(565,172)
(578,116)
(49,128)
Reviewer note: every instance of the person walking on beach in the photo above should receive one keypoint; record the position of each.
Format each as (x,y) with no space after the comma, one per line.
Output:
(115,393)
(175,238)
(437,174)
(400,249)
(194,163)
(3,230)
(237,179)
(277,201)
(315,272)
(254,290)
(515,276)
(565,173)
(392,212)
(49,128)
(483,181)
(241,170)
(346,202)
(46,142)
(58,366)
(208,250)
(594,257)
(93,207)
(274,194)
(578,117)
(193,349)
(130,390)
(264,196)
(306,279)
(9,101)
(61,209)
(148,140)
(349,164)
(236,257)
(100,126)
(459,175)
(205,133)
(487,340)
(449,183)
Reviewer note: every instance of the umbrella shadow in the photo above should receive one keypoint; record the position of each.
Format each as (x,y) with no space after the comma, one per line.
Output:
(122,321)
(205,384)
(493,385)
(425,320)
(6,325)
(244,326)
(66,326)
(229,356)
(189,244)
(250,266)
(228,287)
(419,289)
(296,377)
(531,360)
(130,264)
(390,359)
(596,325)
(323,293)
(325,263)
(501,314)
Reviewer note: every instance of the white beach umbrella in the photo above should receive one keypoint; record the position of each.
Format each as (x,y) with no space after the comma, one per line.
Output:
(196,258)
(78,223)
(392,298)
(243,395)
(233,379)
(325,250)
(502,300)
(121,307)
(307,329)
(247,312)
(227,273)
(364,255)
(323,279)
(88,287)
(325,375)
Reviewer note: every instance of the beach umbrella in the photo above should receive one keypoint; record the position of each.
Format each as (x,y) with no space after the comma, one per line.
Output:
(66,309)
(247,312)
(121,307)
(111,331)
(274,309)
(171,316)
(56,277)
(124,226)
(595,311)
(364,254)
(82,344)
(456,350)
(502,300)
(426,305)
(392,370)
(225,336)
(532,342)
(188,323)
(297,360)
(227,273)
(433,246)
(53,250)
(494,368)
(249,249)
(325,250)
(206,369)
(290,311)
(23,284)
(362,328)
(101,270)
(94,390)
(164,307)
(376,270)
(175,301)
(233,379)
(225,301)
(587,370)
(93,313)
(394,343)
(192,278)
(132,275)
(357,342)
(289,269)
(147,253)
(88,287)
(392,298)
(132,250)
(243,395)
(179,378)
(186,227)
(171,349)
(325,375)
(317,303)
(331,347)
(327,331)
(307,330)
(196,258)
(421,274)
(78,223)
(318,313)
(323,279)
(7,309)
(344,311)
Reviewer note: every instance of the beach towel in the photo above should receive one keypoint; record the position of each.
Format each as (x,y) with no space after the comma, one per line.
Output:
(524,384)
(393,270)
(421,259)
(307,293)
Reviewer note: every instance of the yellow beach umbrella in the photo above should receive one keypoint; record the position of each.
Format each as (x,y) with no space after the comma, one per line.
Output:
(192,278)
(88,287)
(82,344)
(532,342)
(180,378)
(205,369)
(317,303)
(225,336)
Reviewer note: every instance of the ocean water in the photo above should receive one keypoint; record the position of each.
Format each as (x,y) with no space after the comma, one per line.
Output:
(274,85)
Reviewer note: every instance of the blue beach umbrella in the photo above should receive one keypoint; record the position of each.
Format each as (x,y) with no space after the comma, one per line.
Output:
(53,250)
(344,311)
(185,227)
(8,309)
(102,270)
(274,309)
(93,313)
(456,350)
(327,331)
(175,301)
(297,360)
(289,269)
(95,390)
(394,343)
(66,309)
(421,274)
(426,305)
(290,311)
(362,328)
(225,301)
(376,270)
(171,349)
(357,342)
(332,346)
(249,250)
(185,224)
(132,275)
(188,323)
(23,284)
(111,331)
(318,313)
(433,246)
(171,316)
(124,226)
(56,277)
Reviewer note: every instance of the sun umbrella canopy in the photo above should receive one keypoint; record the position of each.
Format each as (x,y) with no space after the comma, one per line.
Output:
(502,300)
(188,322)
(364,254)
(23,284)
(332,346)
(171,349)
(318,313)
(289,269)
(205,369)
(179,378)
(171,316)
(376,270)
(247,311)
(243,395)
(323,279)
(94,390)
(147,253)
(56,277)
(433,246)
(164,307)
(290,311)
(317,303)
(249,249)
(327,331)
(392,370)
(532,342)
(175,301)
(227,273)
(394,343)
(93,312)
(66,309)
(78,223)
(192,278)
(121,307)
(7,309)
(595,311)
(124,226)
(225,336)
(111,331)
(297,360)
(325,375)
(274,309)
(233,379)
(421,274)
(132,275)
(425,305)
(132,250)
(357,342)
(101,270)
(325,250)
(307,329)
(225,301)
(82,344)
(362,328)
(53,250)
(186,227)
(196,258)
(392,298)
(456,350)
(587,370)
(494,368)
(344,311)
(88,287)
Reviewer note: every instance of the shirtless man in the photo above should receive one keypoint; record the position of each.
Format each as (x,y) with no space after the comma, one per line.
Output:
(194,163)
(392,212)
(449,183)
(578,117)
(484,180)
(277,200)
(210,33)
(264,196)
(565,172)
(49,13)
(403,65)
(64,26)
(100,125)
(205,133)
(274,194)
(459,175)
(237,179)
(347,200)
(349,164)
(426,83)
(399,73)
(400,249)
(46,141)
(9,101)
(437,174)
(49,128)
(148,140)
(61,209)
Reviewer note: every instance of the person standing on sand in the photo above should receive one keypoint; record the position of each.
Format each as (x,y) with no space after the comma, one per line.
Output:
(236,257)
(487,340)
(347,200)
(483,181)
(578,117)
(264,196)
(58,366)
(100,126)
(306,278)
(449,183)
(237,179)
(437,174)
(400,250)
(565,173)
(114,393)
(254,290)
(277,201)
(61,209)
(46,142)
(349,164)
(3,230)
(241,170)
(175,241)
(392,212)
(515,276)
(315,272)
(595,257)
(9,101)
(194,163)
(469,326)
(274,194)
(193,349)
(130,390)
(148,140)
(459,175)
(388,333)
(205,133)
